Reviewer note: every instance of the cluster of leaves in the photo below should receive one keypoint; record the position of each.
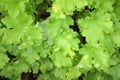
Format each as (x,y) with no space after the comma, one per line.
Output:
(45,37)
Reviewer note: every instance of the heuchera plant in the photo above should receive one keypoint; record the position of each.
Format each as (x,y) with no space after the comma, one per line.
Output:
(60,39)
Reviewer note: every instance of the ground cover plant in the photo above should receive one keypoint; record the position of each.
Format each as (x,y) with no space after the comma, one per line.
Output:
(59,39)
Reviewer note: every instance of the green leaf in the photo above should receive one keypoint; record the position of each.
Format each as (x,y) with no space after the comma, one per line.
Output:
(65,6)
(93,27)
(0,32)
(15,27)
(30,55)
(93,37)
(60,73)
(80,4)
(3,60)
(13,70)
(73,73)
(46,65)
(58,25)
(32,36)
(67,73)
(35,67)
(108,43)
(47,76)
(39,1)
(116,37)
(21,21)
(20,66)
(67,42)
(60,60)
(104,5)
(14,7)
(94,56)
(2,49)
(114,71)
(98,76)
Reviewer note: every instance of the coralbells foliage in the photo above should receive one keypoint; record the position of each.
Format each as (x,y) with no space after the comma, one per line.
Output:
(52,47)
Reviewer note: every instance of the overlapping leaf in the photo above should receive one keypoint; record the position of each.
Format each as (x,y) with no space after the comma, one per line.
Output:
(15,27)
(30,56)
(57,26)
(32,36)
(14,7)
(114,71)
(3,60)
(104,5)
(94,56)
(116,37)
(65,6)
(94,27)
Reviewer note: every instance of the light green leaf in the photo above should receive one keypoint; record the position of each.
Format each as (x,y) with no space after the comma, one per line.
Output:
(14,7)
(20,66)
(93,37)
(19,25)
(116,37)
(94,56)
(21,21)
(114,71)
(3,60)
(73,73)
(60,73)
(67,43)
(62,7)
(32,36)
(61,60)
(46,65)
(95,75)
(93,27)
(30,55)
(58,25)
